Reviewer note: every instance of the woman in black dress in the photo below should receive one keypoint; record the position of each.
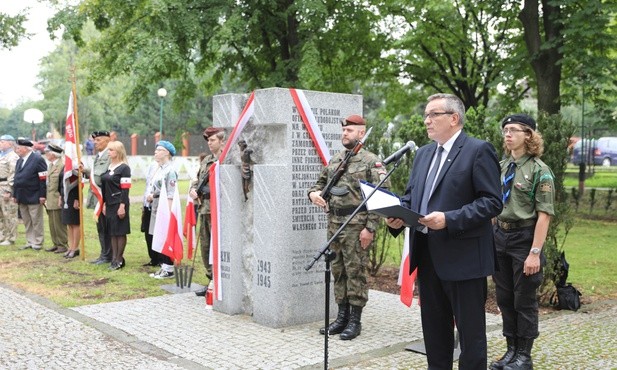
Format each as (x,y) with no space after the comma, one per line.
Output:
(70,212)
(116,185)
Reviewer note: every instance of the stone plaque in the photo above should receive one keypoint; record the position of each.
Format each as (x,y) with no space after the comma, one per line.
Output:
(267,240)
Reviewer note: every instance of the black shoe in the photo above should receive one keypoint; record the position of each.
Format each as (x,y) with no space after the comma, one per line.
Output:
(101,262)
(73,254)
(354,328)
(116,266)
(201,292)
(52,249)
(338,325)
(61,250)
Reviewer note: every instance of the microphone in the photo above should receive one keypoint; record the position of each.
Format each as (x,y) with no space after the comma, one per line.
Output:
(399,153)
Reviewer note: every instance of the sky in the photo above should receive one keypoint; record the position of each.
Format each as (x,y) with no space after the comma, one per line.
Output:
(19,66)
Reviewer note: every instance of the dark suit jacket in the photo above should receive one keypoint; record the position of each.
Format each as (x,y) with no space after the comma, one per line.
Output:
(468,191)
(30,181)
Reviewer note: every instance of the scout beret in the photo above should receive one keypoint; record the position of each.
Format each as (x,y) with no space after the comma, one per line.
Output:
(354,119)
(54,148)
(168,146)
(523,119)
(7,138)
(211,131)
(24,142)
(96,134)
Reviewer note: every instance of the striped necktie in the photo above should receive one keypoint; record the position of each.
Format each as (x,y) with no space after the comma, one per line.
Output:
(506,187)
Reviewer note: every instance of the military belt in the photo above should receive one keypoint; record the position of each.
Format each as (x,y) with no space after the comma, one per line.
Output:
(345,211)
(511,226)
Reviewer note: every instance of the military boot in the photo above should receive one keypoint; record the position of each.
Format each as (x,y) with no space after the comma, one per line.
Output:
(338,325)
(354,327)
(522,359)
(507,357)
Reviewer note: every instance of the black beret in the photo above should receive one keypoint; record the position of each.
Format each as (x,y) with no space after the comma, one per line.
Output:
(100,133)
(24,142)
(521,118)
(54,148)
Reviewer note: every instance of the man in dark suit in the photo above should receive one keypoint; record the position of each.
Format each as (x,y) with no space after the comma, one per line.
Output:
(29,192)
(454,182)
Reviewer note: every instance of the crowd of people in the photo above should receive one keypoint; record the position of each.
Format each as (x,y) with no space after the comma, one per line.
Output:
(31,183)
(480,218)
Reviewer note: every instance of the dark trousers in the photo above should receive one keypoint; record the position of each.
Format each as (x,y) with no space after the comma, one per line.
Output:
(444,303)
(104,239)
(145,226)
(517,292)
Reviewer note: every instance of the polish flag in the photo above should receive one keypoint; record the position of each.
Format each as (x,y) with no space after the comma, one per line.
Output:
(190,220)
(71,160)
(405,280)
(173,247)
(161,222)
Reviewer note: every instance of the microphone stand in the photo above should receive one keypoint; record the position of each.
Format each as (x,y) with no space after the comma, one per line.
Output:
(329,256)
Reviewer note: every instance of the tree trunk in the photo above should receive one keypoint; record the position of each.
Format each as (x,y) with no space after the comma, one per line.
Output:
(544,52)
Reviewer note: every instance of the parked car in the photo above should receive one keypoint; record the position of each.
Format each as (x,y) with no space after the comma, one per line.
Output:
(602,151)
(589,148)
(605,151)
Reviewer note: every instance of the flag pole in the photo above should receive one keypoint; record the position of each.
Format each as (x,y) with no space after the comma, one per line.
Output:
(82,244)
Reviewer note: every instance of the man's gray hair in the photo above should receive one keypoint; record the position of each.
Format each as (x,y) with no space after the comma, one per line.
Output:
(453,104)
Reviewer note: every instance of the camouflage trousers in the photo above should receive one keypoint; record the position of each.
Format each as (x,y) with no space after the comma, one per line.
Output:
(349,265)
(8,220)
(204,242)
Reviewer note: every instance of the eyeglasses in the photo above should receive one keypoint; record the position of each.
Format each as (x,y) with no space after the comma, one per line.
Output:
(432,115)
(506,131)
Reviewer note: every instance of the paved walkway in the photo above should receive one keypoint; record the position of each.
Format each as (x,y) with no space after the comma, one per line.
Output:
(177,331)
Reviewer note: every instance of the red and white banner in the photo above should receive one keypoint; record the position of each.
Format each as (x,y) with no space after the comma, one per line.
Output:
(405,280)
(161,221)
(71,161)
(215,197)
(173,247)
(190,220)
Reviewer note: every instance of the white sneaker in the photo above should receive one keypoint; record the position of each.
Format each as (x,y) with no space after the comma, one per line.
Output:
(164,275)
(6,243)
(155,274)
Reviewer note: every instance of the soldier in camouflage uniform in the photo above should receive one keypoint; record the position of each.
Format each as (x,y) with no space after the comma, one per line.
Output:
(520,232)
(200,191)
(8,209)
(352,245)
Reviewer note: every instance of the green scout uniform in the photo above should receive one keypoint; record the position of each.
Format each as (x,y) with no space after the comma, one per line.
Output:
(532,191)
(204,211)
(349,266)
(57,230)
(8,208)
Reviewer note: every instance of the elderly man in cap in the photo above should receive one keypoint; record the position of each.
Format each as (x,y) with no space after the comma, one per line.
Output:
(30,192)
(8,209)
(200,191)
(520,232)
(55,172)
(352,247)
(99,167)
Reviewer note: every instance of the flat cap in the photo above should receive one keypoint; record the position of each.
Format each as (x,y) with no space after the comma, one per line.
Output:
(521,118)
(212,131)
(54,148)
(24,142)
(354,119)
(7,138)
(99,134)
(168,146)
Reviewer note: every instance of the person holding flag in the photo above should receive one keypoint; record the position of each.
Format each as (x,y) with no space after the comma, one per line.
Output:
(55,174)
(116,184)
(200,192)
(164,178)
(95,197)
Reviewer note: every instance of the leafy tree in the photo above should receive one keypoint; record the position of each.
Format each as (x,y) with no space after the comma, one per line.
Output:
(12,30)
(565,49)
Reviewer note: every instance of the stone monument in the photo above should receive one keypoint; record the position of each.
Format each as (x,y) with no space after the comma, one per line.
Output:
(267,240)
